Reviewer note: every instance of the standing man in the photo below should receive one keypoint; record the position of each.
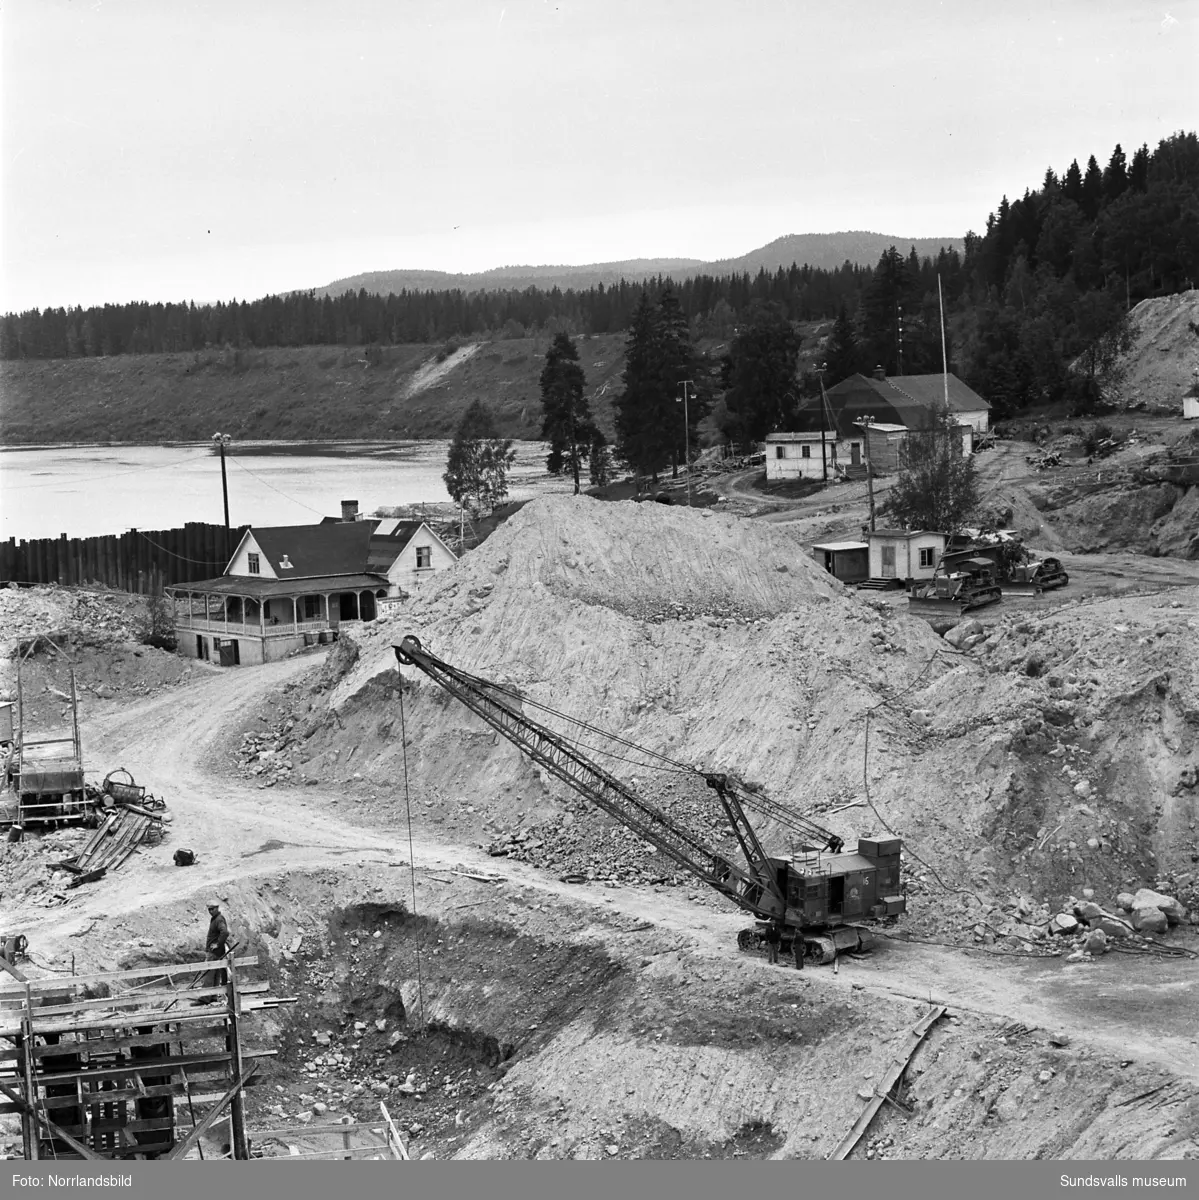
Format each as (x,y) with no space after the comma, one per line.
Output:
(772,942)
(216,945)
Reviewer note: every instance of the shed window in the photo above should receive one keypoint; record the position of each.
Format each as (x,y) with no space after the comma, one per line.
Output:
(424,557)
(252,564)
(926,556)
(805,452)
(780,452)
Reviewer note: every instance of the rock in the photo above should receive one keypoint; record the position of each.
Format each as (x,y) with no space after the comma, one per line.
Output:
(1045,1076)
(612,1149)
(395,1039)
(304,1117)
(1146,898)
(1125,901)
(1063,924)
(1082,788)
(1111,927)
(320,1108)
(1096,942)
(958,635)
(1149,920)
(322,1038)
(379,1087)
(1059,1039)
(1088,910)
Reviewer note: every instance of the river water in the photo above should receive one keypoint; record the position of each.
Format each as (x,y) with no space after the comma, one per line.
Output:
(84,491)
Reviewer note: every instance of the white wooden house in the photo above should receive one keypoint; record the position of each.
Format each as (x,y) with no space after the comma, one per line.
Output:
(904,555)
(287,586)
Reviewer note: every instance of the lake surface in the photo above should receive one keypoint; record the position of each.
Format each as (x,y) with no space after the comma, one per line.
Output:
(88,490)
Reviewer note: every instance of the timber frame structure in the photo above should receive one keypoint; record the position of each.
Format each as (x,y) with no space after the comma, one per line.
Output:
(129,1064)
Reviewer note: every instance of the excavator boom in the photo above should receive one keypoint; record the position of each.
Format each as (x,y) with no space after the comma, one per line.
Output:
(754,890)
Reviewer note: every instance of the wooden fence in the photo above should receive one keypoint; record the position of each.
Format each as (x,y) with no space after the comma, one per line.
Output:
(138,561)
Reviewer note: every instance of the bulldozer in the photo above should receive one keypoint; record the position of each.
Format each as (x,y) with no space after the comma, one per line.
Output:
(966,584)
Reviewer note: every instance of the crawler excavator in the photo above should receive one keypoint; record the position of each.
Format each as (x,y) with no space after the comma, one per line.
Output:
(819,898)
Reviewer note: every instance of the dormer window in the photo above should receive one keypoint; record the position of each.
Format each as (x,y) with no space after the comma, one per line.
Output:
(252,564)
(285,564)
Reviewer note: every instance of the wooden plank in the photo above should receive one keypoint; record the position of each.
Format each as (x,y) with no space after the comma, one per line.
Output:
(394,1140)
(192,1138)
(130,1018)
(156,1066)
(133,1126)
(118,1097)
(915,1036)
(163,970)
(350,1152)
(315,1130)
(106,1044)
(55,1131)
(122,1001)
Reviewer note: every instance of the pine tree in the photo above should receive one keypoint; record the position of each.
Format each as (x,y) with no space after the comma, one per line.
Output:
(659,356)
(566,423)
(1092,189)
(1115,175)
(760,374)
(476,473)
(841,353)
(1072,185)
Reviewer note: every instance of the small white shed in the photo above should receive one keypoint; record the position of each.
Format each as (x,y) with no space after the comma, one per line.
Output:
(1190,408)
(905,554)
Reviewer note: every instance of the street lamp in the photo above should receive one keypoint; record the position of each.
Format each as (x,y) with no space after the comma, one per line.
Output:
(222,440)
(685,384)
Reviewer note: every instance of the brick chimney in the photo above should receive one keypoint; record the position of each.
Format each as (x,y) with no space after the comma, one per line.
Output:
(349,510)
(879,373)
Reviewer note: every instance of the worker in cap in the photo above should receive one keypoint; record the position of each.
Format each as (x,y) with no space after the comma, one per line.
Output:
(216,945)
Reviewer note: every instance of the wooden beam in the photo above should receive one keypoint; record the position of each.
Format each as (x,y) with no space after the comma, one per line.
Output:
(915,1036)
(166,970)
(55,1130)
(347,1153)
(126,1000)
(131,1018)
(314,1130)
(192,1138)
(398,1147)
(117,1097)
(105,1044)
(5,965)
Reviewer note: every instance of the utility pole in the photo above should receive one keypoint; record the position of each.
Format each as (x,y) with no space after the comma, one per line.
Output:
(222,440)
(823,413)
(865,423)
(899,335)
(685,384)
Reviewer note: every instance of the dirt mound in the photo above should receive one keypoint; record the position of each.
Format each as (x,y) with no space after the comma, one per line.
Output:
(1164,358)
(684,633)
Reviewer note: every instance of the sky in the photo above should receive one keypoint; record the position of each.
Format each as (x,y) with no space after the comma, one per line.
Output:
(215,149)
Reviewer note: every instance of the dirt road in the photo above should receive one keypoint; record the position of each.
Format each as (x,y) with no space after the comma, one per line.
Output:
(1131,1007)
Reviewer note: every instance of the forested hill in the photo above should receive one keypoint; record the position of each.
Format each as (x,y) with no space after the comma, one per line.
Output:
(824,251)
(1034,306)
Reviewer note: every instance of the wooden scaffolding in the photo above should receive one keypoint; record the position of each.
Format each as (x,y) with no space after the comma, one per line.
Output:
(128,1064)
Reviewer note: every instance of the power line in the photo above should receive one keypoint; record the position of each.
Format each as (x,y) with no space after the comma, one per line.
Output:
(279,490)
(21,487)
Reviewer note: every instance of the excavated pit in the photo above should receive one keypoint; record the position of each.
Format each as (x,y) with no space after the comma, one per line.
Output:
(573,1031)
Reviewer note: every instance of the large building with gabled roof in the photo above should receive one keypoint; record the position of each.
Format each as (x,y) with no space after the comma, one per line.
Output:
(291,585)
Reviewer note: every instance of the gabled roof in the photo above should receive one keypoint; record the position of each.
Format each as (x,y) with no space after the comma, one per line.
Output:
(388,541)
(312,550)
(930,390)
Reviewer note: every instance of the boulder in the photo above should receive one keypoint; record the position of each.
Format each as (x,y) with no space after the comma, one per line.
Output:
(1112,927)
(1096,942)
(1088,911)
(1147,898)
(1149,920)
(1124,900)
(959,634)
(1063,924)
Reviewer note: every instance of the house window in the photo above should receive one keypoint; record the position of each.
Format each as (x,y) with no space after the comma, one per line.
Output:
(312,608)
(926,556)
(780,452)
(252,563)
(424,557)
(805,452)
